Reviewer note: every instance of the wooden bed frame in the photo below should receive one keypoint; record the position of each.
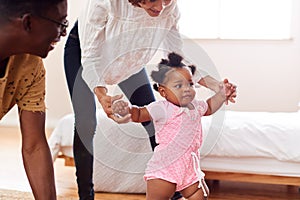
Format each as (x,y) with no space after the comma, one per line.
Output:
(252,178)
(231,176)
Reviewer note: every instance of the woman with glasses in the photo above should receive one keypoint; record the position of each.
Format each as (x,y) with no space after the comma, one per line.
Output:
(113,40)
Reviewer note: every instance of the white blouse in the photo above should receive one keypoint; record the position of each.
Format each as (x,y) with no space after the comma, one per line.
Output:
(118,39)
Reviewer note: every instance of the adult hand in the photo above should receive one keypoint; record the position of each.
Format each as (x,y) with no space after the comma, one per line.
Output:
(120,108)
(121,111)
(106,102)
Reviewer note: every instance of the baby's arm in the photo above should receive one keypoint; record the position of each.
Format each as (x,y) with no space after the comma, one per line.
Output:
(214,85)
(138,114)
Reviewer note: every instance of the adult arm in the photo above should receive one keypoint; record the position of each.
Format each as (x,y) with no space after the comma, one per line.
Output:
(91,30)
(36,155)
(35,151)
(91,27)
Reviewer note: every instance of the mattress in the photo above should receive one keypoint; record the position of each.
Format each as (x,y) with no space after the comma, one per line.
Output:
(254,135)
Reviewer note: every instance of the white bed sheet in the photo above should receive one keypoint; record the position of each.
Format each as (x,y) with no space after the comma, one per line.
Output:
(257,135)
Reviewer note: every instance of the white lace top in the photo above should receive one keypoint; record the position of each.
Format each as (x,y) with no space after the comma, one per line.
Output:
(118,39)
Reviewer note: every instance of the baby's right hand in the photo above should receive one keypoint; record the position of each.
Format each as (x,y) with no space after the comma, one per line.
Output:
(120,108)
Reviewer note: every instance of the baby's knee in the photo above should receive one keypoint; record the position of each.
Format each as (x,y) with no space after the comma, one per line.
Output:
(194,193)
(198,194)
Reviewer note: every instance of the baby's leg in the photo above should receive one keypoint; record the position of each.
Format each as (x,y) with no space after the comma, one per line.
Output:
(193,192)
(158,189)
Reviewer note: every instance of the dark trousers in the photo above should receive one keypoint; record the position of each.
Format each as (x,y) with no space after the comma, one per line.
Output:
(136,88)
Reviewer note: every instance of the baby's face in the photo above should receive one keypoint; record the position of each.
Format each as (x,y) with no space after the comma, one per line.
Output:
(179,87)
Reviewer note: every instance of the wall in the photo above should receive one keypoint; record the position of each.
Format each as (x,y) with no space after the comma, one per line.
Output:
(266,72)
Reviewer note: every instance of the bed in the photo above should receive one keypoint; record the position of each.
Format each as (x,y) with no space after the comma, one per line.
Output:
(256,147)
(238,146)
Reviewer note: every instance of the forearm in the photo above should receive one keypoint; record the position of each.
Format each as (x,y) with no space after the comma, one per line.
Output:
(210,83)
(215,103)
(100,91)
(35,150)
(135,114)
(104,99)
(139,114)
(91,31)
(41,176)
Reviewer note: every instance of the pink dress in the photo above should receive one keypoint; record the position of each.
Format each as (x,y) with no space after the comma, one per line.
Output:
(178,134)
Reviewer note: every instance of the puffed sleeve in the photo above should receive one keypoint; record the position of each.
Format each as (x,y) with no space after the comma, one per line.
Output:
(157,111)
(201,106)
(91,25)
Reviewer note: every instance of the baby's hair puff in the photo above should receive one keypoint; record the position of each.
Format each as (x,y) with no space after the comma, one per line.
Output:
(174,61)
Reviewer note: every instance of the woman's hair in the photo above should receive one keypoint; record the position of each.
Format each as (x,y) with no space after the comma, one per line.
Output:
(174,61)
(15,8)
(136,2)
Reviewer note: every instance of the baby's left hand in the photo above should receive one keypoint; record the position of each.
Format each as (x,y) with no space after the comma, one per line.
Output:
(230,91)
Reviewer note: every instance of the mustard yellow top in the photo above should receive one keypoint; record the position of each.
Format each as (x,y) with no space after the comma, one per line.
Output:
(23,84)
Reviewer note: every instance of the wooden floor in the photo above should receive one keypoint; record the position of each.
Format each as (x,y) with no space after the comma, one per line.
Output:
(12,176)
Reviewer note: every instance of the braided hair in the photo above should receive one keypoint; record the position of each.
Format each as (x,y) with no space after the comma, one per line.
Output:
(174,61)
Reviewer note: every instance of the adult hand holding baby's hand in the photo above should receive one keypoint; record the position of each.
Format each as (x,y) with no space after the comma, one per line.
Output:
(107,101)
(121,112)
(120,107)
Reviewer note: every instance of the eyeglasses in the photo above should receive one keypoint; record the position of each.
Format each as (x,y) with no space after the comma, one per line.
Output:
(62,25)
